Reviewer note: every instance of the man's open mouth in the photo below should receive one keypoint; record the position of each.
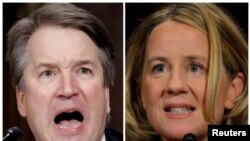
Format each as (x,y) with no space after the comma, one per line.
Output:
(70,119)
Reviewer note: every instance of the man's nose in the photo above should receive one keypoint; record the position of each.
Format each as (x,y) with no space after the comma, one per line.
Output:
(68,88)
(176,83)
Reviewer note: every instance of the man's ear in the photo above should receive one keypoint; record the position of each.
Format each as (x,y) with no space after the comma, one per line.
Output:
(20,97)
(236,89)
(107,99)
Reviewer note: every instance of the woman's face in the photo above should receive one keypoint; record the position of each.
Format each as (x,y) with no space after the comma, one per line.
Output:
(174,81)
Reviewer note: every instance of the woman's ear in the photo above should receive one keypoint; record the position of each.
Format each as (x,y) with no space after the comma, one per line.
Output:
(142,101)
(20,97)
(237,87)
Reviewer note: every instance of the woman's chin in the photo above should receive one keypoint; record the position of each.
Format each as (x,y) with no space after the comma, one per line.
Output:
(177,132)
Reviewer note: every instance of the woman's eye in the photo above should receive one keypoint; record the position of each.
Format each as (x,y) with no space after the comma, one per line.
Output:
(85,70)
(195,68)
(159,68)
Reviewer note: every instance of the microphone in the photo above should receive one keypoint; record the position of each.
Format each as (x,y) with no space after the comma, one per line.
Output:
(189,137)
(12,134)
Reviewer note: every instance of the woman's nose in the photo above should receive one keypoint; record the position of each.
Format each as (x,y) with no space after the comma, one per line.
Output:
(176,83)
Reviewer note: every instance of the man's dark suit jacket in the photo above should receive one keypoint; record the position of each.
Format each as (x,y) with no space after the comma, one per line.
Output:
(113,135)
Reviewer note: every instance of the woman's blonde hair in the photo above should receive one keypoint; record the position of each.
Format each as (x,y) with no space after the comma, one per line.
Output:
(227,46)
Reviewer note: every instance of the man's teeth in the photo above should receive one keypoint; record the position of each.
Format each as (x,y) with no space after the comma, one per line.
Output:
(69,124)
(180,110)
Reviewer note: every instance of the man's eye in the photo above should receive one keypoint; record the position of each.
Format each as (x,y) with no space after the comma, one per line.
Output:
(160,68)
(47,73)
(85,70)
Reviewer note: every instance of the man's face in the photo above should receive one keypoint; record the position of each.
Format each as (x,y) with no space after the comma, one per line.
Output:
(64,96)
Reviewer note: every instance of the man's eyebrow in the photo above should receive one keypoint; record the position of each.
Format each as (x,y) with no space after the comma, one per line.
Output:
(46,64)
(56,65)
(84,62)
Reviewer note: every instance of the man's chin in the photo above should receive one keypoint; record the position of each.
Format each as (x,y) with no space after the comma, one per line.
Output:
(69,128)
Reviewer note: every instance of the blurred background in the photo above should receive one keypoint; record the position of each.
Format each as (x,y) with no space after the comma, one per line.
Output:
(111,14)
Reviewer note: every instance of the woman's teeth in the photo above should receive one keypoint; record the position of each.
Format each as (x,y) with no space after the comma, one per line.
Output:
(180,110)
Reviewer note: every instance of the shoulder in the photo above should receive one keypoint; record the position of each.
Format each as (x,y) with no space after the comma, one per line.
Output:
(113,135)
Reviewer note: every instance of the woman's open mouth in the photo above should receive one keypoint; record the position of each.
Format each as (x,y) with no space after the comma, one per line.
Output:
(178,110)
